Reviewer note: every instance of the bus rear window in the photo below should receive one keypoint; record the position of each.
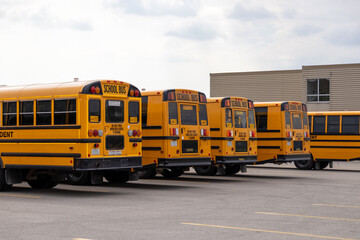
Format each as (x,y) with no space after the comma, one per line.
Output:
(188,114)
(94,110)
(287,120)
(240,119)
(228,118)
(203,114)
(350,125)
(114,111)
(251,119)
(173,113)
(296,119)
(319,124)
(133,112)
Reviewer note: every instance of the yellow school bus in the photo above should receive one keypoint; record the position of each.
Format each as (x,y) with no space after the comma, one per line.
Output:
(283,132)
(334,136)
(89,128)
(176,132)
(233,135)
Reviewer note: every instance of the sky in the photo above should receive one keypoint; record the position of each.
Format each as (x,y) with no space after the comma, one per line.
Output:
(162,44)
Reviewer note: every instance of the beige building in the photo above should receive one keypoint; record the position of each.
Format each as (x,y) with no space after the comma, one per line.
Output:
(321,87)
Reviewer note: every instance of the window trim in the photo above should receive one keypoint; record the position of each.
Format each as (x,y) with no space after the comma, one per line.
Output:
(27,113)
(318,95)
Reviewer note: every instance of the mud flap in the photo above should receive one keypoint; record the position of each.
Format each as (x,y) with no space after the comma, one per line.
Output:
(134,176)
(13,176)
(96,177)
(243,168)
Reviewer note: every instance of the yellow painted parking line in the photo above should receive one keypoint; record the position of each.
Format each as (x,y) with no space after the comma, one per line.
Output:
(83,190)
(15,195)
(333,205)
(307,216)
(267,231)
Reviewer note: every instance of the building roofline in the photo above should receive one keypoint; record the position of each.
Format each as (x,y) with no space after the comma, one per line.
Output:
(256,72)
(347,65)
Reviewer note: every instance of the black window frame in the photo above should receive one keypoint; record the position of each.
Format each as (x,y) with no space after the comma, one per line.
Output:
(295,124)
(48,114)
(24,116)
(261,115)
(173,113)
(251,120)
(315,130)
(242,125)
(288,120)
(185,121)
(69,112)
(6,115)
(229,119)
(356,125)
(315,97)
(203,116)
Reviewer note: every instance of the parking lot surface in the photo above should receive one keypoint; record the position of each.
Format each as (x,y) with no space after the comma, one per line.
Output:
(267,202)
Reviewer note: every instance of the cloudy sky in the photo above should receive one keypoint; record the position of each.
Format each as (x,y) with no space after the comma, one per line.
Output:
(158,44)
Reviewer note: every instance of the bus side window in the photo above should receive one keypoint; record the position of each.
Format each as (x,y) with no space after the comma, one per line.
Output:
(94,111)
(26,115)
(350,125)
(261,114)
(43,112)
(144,107)
(333,124)
(173,113)
(65,111)
(319,124)
(9,113)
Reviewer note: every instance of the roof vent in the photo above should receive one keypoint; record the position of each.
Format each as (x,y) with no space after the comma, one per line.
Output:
(76,79)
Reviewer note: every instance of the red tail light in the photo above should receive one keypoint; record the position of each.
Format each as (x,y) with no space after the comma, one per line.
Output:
(95,132)
(134,133)
(136,93)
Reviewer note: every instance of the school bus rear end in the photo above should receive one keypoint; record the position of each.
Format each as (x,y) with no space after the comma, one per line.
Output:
(283,132)
(176,133)
(233,135)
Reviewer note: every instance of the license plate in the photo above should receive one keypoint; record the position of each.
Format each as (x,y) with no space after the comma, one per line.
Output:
(112,153)
(95,151)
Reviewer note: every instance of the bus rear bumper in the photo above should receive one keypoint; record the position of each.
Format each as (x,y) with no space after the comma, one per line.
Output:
(236,159)
(183,162)
(116,163)
(293,157)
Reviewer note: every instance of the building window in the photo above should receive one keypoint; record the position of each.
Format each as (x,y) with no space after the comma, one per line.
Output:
(318,90)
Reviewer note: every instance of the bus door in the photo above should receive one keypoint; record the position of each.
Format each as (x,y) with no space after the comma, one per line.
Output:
(241,135)
(114,131)
(189,129)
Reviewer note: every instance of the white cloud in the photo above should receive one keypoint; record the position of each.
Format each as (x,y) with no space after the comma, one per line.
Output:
(195,32)
(250,13)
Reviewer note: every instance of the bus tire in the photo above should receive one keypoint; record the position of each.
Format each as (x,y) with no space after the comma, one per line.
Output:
(232,169)
(148,173)
(172,172)
(323,164)
(3,185)
(116,176)
(79,178)
(305,165)
(206,171)
(42,182)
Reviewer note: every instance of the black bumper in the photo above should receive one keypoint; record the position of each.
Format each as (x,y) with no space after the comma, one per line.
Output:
(117,163)
(236,159)
(183,162)
(293,157)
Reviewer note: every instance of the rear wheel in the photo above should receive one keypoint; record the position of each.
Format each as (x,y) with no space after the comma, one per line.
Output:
(148,173)
(116,176)
(232,169)
(305,165)
(323,164)
(42,182)
(3,185)
(172,172)
(79,178)
(206,171)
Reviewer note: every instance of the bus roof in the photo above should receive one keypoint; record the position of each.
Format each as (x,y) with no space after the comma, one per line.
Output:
(334,113)
(274,104)
(219,99)
(161,92)
(50,89)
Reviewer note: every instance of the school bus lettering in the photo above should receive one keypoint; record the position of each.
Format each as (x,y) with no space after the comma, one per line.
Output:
(313,137)
(6,134)
(122,89)
(194,98)
(191,133)
(236,104)
(114,89)
(116,128)
(187,97)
